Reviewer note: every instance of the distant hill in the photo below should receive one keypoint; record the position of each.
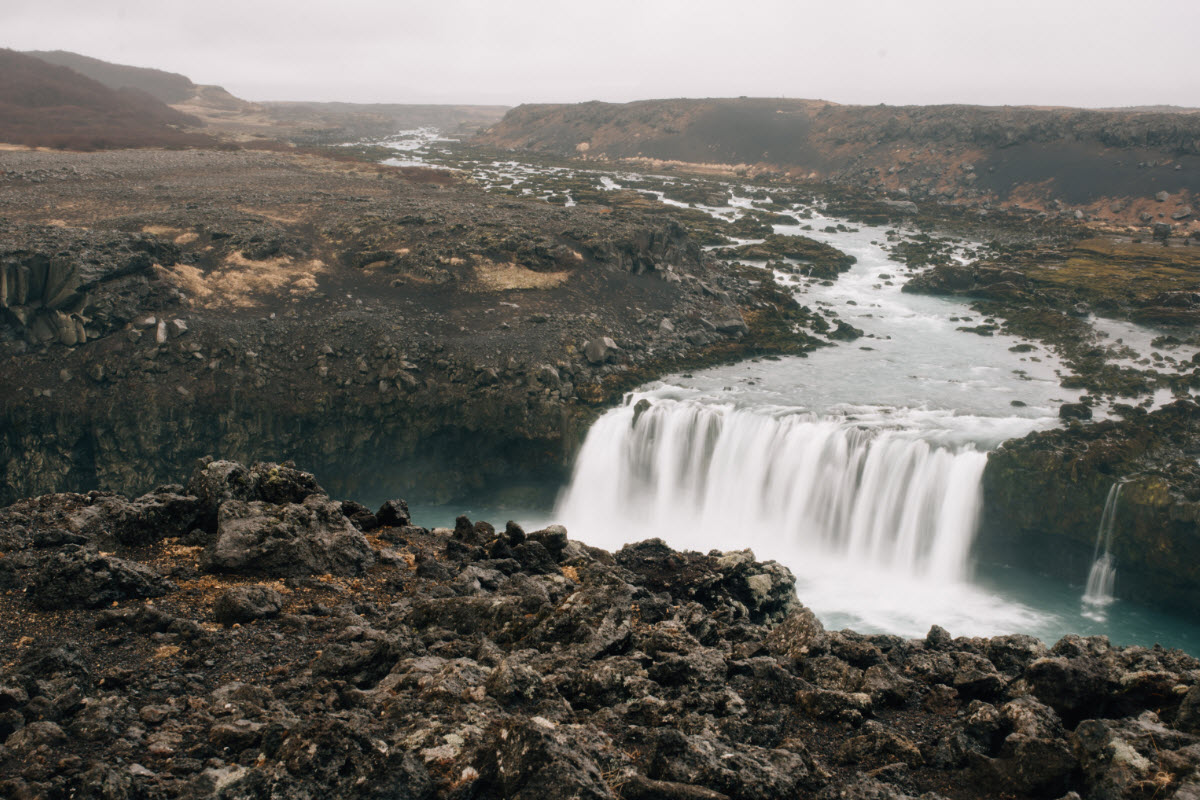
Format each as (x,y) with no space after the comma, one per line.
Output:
(168,87)
(42,104)
(1037,157)
(304,123)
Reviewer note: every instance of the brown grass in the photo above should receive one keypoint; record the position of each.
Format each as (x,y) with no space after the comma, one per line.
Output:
(245,283)
(491,276)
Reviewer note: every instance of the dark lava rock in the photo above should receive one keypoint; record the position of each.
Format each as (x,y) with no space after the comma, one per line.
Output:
(214,482)
(359,515)
(534,760)
(1074,411)
(454,670)
(394,514)
(309,538)
(246,604)
(800,635)
(78,577)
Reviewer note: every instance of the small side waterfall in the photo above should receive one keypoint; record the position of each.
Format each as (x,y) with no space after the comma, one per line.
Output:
(795,487)
(1103,574)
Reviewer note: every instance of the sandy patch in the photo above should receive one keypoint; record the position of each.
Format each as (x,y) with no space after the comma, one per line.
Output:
(493,277)
(160,230)
(244,283)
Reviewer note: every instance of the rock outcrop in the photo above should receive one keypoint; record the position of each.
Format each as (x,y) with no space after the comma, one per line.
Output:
(398,330)
(486,662)
(1044,495)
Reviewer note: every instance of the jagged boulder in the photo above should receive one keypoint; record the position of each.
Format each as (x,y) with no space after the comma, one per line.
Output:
(213,482)
(79,577)
(309,538)
(246,604)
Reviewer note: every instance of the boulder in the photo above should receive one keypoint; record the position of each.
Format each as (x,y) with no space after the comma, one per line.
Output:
(799,635)
(600,350)
(246,604)
(393,514)
(529,759)
(292,539)
(902,206)
(214,482)
(79,577)
(359,515)
(1074,411)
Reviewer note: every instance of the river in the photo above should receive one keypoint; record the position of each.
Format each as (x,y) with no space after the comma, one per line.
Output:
(857,466)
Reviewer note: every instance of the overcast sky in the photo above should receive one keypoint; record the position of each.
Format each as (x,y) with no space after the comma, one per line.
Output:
(1030,52)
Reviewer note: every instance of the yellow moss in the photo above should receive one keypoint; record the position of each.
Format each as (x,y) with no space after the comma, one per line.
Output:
(1123,269)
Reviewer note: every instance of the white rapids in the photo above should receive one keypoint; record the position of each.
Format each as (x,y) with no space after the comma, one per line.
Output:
(858,467)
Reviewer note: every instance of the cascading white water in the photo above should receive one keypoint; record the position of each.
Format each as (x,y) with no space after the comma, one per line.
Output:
(1103,574)
(876,523)
(789,484)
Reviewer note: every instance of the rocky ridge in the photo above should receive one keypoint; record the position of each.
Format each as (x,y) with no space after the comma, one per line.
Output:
(383,659)
(1126,168)
(362,318)
(1043,495)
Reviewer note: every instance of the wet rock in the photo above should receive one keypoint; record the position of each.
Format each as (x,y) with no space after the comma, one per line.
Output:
(78,577)
(309,538)
(845,332)
(1074,411)
(246,604)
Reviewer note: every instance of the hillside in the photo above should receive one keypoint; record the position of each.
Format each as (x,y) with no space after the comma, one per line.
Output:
(1107,165)
(51,106)
(167,87)
(297,122)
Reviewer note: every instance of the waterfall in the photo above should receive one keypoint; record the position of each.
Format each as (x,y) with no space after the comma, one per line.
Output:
(792,486)
(1103,574)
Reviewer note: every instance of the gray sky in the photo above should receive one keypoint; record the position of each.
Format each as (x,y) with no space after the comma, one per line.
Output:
(1052,52)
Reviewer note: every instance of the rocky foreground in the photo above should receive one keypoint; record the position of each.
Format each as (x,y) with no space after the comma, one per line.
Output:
(247,636)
